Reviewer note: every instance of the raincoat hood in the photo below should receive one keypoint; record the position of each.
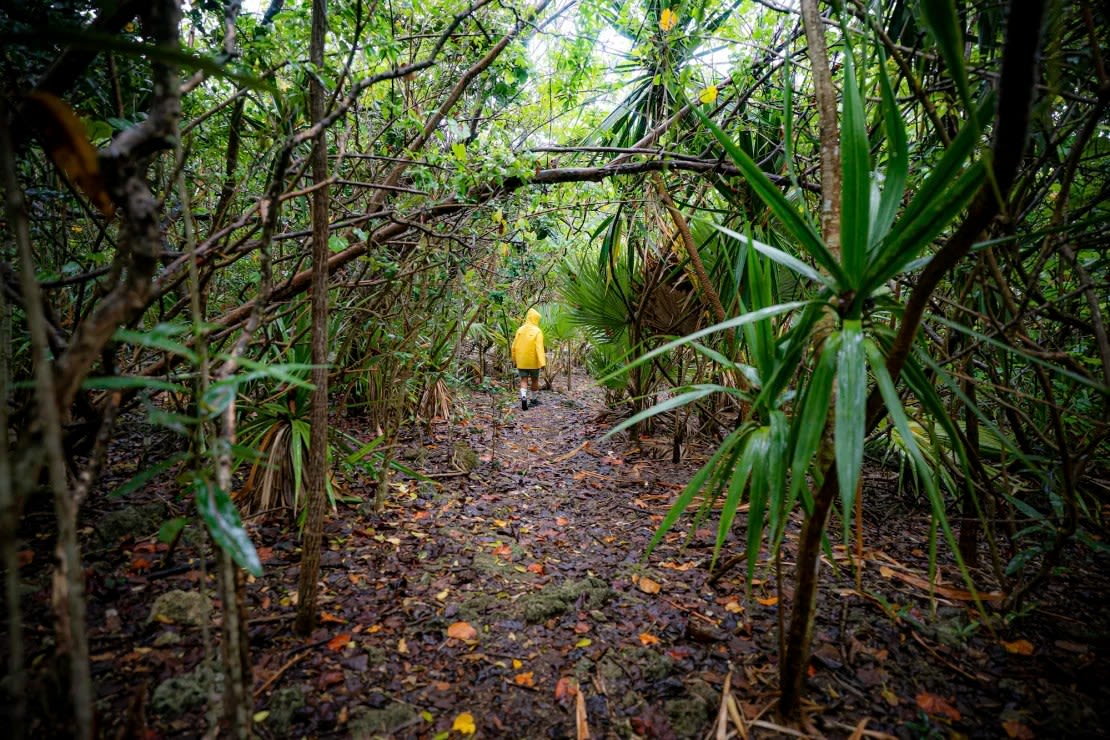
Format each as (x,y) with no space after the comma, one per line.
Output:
(532,317)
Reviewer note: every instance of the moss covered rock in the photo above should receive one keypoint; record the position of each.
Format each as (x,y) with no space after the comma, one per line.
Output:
(557,599)
(283,705)
(180,694)
(184,608)
(369,723)
(133,521)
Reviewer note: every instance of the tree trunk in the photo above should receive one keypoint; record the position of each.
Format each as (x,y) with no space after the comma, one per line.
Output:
(804,609)
(69,576)
(9,521)
(317,474)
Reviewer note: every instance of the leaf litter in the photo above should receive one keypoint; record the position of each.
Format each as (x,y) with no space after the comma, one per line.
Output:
(514,601)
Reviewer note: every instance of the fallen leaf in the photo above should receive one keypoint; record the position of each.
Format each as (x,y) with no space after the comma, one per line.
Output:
(561,521)
(565,688)
(1018,647)
(584,642)
(517,664)
(733,607)
(402,647)
(1017,730)
(442,595)
(769,601)
(524,679)
(581,628)
(536,568)
(933,704)
(326,617)
(649,586)
(339,642)
(890,697)
(464,723)
(677,566)
(647,638)
(503,551)
(462,631)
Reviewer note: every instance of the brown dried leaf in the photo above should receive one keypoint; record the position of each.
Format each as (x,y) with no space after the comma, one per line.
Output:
(339,642)
(933,704)
(1018,647)
(649,586)
(63,137)
(462,631)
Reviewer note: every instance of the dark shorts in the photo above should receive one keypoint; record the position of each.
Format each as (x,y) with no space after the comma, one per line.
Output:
(529,373)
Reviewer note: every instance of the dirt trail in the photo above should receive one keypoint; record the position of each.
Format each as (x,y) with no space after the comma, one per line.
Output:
(486,598)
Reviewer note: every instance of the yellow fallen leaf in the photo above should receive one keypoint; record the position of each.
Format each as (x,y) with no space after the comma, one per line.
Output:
(442,595)
(517,664)
(584,642)
(1018,647)
(462,631)
(649,586)
(769,601)
(261,716)
(733,607)
(886,571)
(646,638)
(464,723)
(524,679)
(402,646)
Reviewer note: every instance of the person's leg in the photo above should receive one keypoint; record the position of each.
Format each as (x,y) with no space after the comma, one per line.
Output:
(523,390)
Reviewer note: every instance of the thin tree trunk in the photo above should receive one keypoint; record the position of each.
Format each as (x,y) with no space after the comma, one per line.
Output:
(1016,86)
(317,475)
(800,635)
(9,520)
(69,587)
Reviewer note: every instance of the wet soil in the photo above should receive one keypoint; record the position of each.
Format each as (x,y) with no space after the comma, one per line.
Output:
(509,596)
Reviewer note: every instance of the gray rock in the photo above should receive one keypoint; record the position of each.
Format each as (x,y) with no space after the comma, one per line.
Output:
(177,695)
(369,723)
(184,608)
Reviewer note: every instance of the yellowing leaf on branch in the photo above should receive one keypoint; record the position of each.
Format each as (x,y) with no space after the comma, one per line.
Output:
(667,20)
(464,723)
(64,139)
(462,631)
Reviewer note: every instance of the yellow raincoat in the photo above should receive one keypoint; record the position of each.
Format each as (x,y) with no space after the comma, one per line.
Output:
(528,343)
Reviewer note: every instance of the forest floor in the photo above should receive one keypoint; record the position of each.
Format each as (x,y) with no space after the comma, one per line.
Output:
(508,597)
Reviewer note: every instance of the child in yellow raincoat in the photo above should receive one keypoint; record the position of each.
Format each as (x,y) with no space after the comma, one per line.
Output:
(528,357)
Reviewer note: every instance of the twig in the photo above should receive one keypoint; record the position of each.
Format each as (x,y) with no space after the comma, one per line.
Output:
(580,722)
(280,672)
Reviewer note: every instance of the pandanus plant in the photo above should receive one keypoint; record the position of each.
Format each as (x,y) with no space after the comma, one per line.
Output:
(828,351)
